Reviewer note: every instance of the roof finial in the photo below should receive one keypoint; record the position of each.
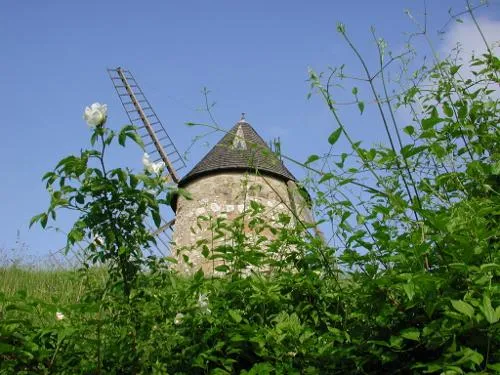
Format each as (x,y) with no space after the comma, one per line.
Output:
(242,117)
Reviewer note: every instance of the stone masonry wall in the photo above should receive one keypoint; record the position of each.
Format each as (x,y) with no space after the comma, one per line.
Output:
(224,195)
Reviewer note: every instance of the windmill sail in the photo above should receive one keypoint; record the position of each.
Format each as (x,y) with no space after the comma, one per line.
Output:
(163,237)
(158,143)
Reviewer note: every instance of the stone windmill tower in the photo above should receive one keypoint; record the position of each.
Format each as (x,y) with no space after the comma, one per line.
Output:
(239,169)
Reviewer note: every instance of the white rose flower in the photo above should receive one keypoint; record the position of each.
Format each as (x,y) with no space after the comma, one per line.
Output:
(158,167)
(151,167)
(96,114)
(59,315)
(178,319)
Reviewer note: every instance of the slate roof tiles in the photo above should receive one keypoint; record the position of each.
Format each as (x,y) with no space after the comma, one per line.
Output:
(250,154)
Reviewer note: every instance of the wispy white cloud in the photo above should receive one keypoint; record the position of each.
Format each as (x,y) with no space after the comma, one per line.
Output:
(468,38)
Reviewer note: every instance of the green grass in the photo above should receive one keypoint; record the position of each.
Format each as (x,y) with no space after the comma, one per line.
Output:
(65,286)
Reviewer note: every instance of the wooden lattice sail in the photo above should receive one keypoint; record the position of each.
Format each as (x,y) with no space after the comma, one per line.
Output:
(158,143)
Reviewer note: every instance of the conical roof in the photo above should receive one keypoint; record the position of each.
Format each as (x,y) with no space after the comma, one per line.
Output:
(241,149)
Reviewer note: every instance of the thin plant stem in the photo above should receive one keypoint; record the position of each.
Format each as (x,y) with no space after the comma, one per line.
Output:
(382,115)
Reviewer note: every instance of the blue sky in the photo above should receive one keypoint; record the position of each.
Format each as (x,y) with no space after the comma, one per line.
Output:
(253,56)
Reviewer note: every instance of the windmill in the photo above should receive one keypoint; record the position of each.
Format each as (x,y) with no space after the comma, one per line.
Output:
(157,142)
(218,185)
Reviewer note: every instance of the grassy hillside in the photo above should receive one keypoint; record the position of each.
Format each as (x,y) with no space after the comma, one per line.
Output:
(53,286)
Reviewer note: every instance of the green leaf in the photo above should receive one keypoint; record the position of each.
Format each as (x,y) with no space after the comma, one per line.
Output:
(454,69)
(311,158)
(36,218)
(121,138)
(136,138)
(469,355)
(199,275)
(235,315)
(49,175)
(109,139)
(340,164)
(448,111)
(411,334)
(489,267)
(93,138)
(171,260)
(133,181)
(156,218)
(43,220)
(409,289)
(430,122)
(458,266)
(128,128)
(327,176)
(488,311)
(256,206)
(410,150)
(123,251)
(334,137)
(462,110)
(355,91)
(222,268)
(76,234)
(463,307)
(370,154)
(184,193)
(361,107)
(494,366)
(410,130)
(263,368)
(396,342)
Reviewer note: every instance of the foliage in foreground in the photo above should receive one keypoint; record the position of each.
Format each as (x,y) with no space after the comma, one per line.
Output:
(411,285)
